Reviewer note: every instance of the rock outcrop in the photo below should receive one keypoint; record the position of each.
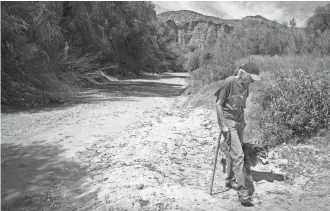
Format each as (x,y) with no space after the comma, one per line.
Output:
(198,32)
(193,28)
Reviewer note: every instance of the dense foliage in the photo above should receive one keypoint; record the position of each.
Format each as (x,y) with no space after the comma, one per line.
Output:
(321,19)
(294,96)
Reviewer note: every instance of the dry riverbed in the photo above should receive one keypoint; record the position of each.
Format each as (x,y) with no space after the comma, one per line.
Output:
(132,145)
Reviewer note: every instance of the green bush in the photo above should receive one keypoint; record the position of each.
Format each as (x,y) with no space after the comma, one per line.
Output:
(295,102)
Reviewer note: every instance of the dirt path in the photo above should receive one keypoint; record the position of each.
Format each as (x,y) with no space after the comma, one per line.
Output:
(126,146)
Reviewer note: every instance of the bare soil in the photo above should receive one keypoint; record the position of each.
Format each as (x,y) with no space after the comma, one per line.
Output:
(132,145)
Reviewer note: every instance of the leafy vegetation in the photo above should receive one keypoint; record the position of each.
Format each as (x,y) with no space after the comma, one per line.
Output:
(294,97)
(320,21)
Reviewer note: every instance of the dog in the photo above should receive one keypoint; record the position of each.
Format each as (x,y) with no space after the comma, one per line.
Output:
(253,154)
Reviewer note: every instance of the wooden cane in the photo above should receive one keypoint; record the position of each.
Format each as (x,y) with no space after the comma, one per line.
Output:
(216,160)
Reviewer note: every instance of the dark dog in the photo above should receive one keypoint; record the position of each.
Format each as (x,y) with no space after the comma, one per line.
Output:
(253,154)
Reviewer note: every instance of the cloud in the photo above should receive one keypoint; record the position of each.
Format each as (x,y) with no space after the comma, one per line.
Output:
(242,9)
(280,11)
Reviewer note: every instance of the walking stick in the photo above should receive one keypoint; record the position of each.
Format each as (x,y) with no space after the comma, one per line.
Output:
(216,159)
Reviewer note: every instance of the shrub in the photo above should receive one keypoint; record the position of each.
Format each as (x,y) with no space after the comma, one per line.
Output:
(294,97)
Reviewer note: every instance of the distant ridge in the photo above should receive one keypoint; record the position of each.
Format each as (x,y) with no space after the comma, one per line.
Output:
(181,17)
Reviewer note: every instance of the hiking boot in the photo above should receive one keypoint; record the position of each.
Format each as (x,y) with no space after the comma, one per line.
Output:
(244,197)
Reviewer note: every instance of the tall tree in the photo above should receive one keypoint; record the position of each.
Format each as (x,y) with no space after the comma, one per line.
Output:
(293,22)
(321,19)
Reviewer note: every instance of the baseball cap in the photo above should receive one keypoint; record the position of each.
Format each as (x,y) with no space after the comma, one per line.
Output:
(252,69)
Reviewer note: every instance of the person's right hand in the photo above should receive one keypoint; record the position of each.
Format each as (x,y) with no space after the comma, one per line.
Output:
(225,129)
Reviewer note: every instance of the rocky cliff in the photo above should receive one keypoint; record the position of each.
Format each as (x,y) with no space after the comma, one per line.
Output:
(191,28)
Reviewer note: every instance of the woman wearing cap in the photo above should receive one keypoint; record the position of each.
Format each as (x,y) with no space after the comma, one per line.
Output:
(230,104)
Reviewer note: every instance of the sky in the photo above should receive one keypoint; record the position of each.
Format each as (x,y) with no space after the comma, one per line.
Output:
(273,10)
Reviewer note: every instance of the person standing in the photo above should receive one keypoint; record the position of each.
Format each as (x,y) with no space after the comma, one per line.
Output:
(230,105)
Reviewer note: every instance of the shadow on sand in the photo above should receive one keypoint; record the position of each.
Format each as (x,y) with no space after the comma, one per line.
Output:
(268,176)
(36,177)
